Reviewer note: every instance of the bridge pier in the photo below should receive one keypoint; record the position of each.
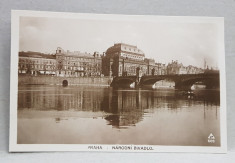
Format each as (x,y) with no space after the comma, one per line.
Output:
(182,86)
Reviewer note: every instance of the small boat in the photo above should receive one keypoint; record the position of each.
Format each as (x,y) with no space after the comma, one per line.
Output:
(186,93)
(189,93)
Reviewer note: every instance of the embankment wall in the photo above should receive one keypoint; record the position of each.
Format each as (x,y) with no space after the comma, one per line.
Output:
(53,80)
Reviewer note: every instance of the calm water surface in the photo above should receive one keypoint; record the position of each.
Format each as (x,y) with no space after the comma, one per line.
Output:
(98,115)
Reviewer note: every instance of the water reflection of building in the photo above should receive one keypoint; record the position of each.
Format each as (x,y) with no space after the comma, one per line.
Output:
(60,99)
(124,107)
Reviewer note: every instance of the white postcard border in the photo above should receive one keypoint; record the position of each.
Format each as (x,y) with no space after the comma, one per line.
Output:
(14,147)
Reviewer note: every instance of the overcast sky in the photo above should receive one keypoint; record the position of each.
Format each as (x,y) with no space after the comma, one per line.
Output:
(189,43)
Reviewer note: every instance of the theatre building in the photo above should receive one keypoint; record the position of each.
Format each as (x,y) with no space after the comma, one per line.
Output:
(126,60)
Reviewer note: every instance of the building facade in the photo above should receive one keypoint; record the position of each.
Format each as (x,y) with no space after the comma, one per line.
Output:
(76,64)
(35,63)
(127,60)
(178,68)
(64,64)
(160,69)
(119,60)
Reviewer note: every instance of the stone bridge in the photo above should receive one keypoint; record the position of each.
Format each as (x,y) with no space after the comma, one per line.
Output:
(182,81)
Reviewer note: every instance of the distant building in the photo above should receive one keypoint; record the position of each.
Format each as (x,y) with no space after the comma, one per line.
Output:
(65,64)
(35,63)
(118,60)
(173,68)
(75,64)
(161,69)
(194,70)
(178,68)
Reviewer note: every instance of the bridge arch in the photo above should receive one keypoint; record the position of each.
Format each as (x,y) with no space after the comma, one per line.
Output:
(123,81)
(65,83)
(164,83)
(188,83)
(151,80)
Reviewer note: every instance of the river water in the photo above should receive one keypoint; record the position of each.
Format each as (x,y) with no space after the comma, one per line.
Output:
(102,115)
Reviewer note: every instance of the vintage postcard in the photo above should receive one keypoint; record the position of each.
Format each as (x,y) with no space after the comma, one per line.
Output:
(119,83)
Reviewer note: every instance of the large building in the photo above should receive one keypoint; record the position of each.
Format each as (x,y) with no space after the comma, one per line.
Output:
(64,64)
(127,60)
(77,63)
(119,60)
(35,63)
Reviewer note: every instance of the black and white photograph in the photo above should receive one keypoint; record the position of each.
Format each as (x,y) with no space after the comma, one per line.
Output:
(119,83)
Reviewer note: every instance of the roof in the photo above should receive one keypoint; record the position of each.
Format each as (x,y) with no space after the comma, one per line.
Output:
(125,48)
(78,54)
(36,55)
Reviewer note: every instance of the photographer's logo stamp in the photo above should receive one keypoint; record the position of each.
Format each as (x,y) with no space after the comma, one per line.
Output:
(211,138)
